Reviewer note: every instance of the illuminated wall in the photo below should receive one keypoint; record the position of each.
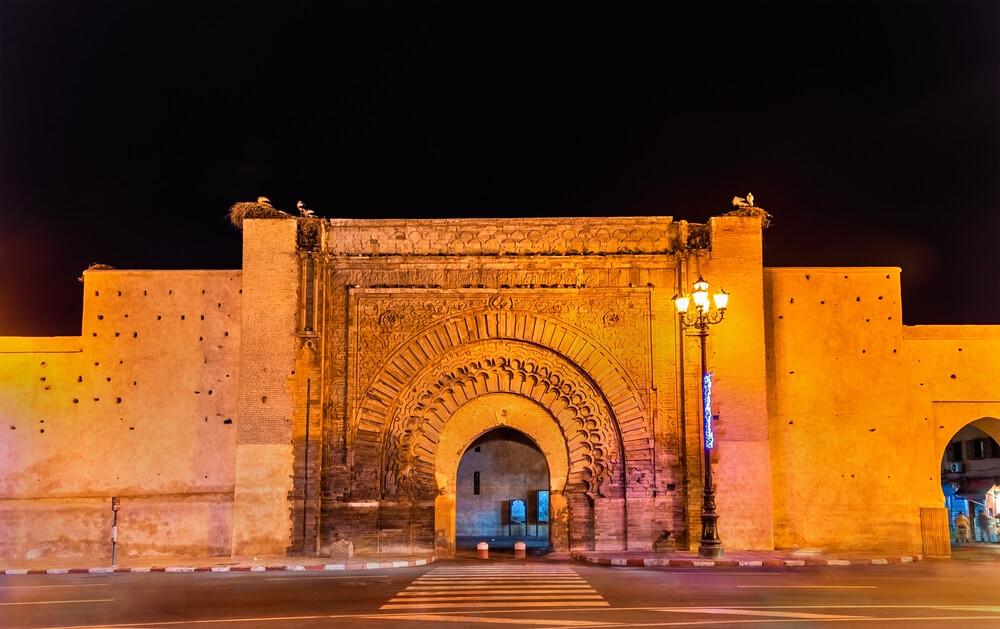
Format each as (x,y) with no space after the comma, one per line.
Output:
(862,407)
(142,406)
(326,391)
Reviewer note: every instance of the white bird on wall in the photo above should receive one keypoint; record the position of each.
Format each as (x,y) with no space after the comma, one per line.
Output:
(750,199)
(303,210)
(264,201)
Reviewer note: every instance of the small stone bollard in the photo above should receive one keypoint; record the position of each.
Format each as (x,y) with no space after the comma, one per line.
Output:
(519,550)
(483,550)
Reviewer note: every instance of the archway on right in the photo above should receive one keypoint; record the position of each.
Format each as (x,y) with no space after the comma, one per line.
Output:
(970,481)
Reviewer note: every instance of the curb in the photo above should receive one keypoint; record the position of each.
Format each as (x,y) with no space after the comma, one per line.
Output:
(364,565)
(648,562)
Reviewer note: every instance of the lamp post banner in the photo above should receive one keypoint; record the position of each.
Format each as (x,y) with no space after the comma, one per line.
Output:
(706,398)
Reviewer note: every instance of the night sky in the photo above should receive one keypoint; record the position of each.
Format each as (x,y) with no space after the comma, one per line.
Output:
(870,131)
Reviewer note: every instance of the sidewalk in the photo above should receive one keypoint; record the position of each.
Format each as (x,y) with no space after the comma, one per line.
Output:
(213,564)
(733,558)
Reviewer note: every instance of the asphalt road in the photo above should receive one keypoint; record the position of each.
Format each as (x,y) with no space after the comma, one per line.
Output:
(470,593)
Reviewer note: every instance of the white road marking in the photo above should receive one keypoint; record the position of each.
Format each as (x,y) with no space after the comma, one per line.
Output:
(40,587)
(497,604)
(79,600)
(736,611)
(491,620)
(464,617)
(811,587)
(498,586)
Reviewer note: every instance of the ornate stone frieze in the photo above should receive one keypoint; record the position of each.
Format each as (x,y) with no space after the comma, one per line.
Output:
(521,237)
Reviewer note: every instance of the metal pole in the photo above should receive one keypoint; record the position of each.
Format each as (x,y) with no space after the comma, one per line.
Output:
(114,540)
(710,546)
(305,474)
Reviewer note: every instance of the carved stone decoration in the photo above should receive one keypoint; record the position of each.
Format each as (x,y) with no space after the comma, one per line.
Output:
(388,319)
(500,302)
(531,236)
(401,478)
(591,434)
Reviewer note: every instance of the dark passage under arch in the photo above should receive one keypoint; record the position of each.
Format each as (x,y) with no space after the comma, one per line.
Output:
(502,491)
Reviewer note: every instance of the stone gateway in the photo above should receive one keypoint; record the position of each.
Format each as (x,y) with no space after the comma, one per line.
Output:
(404,386)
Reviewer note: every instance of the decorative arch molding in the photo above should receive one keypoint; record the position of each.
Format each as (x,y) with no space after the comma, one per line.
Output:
(419,415)
(497,317)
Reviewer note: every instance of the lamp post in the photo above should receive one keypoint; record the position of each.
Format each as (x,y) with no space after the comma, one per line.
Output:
(698,319)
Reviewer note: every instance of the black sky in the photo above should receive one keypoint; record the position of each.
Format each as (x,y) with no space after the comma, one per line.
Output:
(870,131)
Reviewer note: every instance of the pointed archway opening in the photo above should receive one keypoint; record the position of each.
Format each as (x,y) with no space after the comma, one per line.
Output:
(970,481)
(502,493)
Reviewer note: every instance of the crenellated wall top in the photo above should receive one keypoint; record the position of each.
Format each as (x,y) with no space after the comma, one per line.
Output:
(508,236)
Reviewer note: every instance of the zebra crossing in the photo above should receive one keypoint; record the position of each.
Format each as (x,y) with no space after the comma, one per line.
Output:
(498,586)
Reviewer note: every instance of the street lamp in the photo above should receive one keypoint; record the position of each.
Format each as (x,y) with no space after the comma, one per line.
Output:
(698,319)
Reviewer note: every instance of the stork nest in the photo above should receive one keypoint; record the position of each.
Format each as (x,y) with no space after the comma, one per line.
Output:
(309,227)
(250,209)
(752,211)
(308,238)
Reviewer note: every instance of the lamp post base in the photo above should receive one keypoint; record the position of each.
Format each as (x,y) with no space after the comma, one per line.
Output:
(711,551)
(710,545)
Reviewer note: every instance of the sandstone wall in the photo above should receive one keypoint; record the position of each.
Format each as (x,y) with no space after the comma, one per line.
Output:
(140,406)
(264,456)
(862,407)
